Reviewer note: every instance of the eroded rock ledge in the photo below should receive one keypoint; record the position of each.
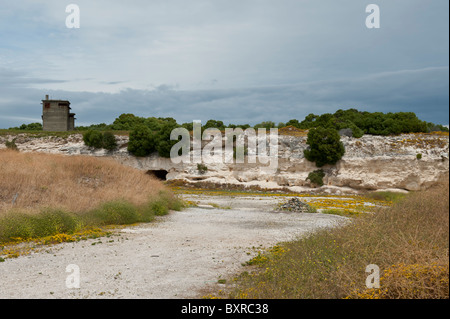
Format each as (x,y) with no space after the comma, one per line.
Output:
(370,162)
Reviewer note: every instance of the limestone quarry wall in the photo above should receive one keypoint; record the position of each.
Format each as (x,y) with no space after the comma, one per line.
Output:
(370,162)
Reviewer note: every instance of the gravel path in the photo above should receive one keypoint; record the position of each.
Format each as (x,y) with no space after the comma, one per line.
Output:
(174,257)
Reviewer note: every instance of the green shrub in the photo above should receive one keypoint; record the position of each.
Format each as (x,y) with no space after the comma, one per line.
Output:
(159,207)
(162,140)
(93,138)
(48,222)
(202,168)
(173,202)
(142,141)
(316,177)
(53,222)
(176,204)
(97,139)
(356,131)
(115,213)
(419,156)
(166,201)
(376,123)
(11,145)
(31,127)
(109,141)
(325,146)
(17,225)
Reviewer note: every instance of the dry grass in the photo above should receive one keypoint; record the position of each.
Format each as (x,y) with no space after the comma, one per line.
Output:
(75,183)
(292,131)
(55,196)
(408,241)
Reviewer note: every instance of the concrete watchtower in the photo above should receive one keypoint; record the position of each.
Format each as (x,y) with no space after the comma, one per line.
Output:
(56,115)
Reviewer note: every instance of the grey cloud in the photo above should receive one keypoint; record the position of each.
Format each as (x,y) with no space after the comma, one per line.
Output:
(10,77)
(424,92)
(268,60)
(113,82)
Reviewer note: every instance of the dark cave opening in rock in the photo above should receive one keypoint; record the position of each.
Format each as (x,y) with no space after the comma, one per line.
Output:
(160,174)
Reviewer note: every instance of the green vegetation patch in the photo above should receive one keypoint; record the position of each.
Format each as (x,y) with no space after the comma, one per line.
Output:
(386,196)
(99,139)
(316,177)
(22,226)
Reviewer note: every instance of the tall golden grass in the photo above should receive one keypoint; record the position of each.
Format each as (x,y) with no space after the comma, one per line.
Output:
(45,195)
(32,181)
(409,242)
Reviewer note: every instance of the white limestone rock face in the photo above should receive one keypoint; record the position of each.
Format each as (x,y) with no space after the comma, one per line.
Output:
(369,163)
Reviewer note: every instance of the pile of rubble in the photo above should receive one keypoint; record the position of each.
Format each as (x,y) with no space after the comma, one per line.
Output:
(296,205)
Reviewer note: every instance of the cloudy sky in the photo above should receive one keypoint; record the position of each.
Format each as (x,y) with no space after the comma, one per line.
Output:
(239,61)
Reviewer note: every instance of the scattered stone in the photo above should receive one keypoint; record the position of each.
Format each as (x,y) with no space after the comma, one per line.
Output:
(296,205)
(346,132)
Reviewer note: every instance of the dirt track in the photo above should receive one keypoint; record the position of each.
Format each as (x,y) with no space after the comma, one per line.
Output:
(174,257)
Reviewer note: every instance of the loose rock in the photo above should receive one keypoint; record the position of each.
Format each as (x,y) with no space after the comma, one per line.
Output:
(296,205)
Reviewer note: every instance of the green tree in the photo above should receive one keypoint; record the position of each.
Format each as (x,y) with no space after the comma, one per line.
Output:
(266,124)
(97,139)
(189,126)
(141,141)
(214,124)
(31,127)
(376,123)
(316,177)
(93,138)
(357,132)
(109,141)
(325,146)
(308,122)
(153,123)
(294,123)
(127,122)
(162,140)
(431,127)
(97,127)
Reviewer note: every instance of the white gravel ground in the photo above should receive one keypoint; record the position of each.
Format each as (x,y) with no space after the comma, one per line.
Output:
(174,257)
